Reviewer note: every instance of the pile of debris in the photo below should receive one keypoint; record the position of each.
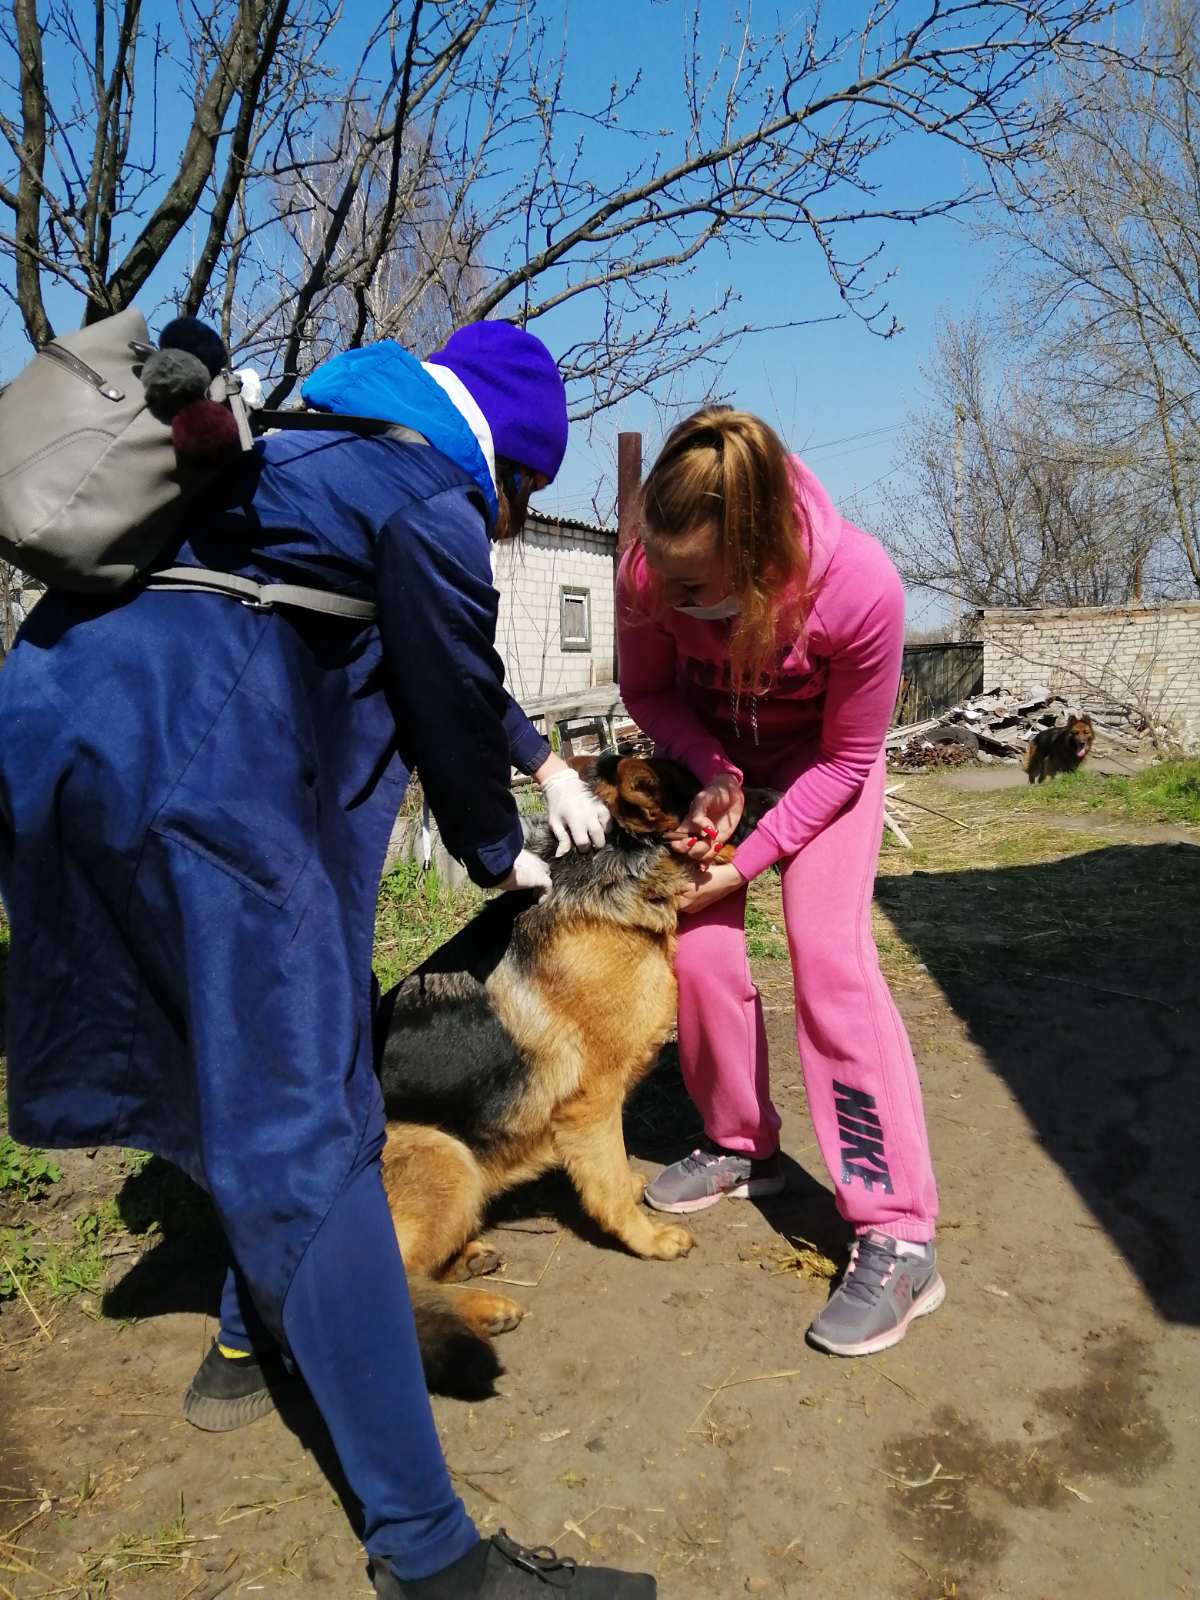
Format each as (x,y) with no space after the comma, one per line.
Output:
(998,725)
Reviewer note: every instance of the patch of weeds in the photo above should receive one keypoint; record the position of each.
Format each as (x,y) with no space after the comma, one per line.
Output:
(25,1174)
(51,1269)
(18,1264)
(1168,792)
(417,912)
(765,938)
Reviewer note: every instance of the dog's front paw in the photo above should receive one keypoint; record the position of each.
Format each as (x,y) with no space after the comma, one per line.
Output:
(671,1241)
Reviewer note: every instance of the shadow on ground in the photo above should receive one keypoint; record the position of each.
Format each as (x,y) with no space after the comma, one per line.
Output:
(1079,980)
(183,1269)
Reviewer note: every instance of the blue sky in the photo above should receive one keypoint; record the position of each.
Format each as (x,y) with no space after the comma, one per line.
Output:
(837,392)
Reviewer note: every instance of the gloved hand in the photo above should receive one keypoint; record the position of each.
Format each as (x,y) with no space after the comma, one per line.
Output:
(575,815)
(528,872)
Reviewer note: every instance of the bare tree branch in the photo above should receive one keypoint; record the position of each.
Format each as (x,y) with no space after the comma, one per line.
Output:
(33,158)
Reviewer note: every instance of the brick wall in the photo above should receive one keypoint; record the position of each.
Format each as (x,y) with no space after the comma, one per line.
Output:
(530,574)
(1144,656)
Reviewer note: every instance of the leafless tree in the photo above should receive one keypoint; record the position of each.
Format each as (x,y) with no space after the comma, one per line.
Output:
(1107,234)
(1012,498)
(449,167)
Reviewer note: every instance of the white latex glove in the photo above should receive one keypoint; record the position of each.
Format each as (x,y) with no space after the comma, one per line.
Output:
(252,388)
(576,816)
(528,872)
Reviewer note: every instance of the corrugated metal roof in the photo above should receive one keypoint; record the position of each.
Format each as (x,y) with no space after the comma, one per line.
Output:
(568,525)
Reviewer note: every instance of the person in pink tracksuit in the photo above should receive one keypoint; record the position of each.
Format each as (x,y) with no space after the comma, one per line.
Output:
(760,637)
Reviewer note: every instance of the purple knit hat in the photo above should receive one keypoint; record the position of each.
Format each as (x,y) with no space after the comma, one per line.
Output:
(514,381)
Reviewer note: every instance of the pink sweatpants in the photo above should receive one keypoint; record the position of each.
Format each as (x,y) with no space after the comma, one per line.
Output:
(862,1085)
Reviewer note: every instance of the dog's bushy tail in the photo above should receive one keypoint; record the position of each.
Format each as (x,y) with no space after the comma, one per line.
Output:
(458,1361)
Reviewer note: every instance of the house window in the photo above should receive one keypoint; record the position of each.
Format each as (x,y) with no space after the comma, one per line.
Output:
(575,618)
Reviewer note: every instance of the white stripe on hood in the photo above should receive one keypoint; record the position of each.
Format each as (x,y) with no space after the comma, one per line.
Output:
(464,404)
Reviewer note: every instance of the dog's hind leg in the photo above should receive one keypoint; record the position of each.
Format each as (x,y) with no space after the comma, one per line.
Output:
(435,1193)
(455,1330)
(591,1145)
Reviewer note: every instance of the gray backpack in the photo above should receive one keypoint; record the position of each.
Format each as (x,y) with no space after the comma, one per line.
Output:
(91,489)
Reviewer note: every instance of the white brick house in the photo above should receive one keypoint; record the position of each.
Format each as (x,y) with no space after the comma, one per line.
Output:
(555,632)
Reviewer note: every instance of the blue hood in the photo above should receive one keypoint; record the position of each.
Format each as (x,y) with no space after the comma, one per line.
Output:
(384,380)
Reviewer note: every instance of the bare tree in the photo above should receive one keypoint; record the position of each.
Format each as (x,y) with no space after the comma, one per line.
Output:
(1013,499)
(1107,233)
(448,166)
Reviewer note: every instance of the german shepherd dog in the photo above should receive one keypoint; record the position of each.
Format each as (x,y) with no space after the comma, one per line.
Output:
(511,1050)
(1056,750)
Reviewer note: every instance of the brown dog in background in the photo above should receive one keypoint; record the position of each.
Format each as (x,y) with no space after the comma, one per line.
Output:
(1056,750)
(511,1051)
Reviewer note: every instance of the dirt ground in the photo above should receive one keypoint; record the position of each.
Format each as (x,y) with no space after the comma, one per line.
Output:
(1037,1438)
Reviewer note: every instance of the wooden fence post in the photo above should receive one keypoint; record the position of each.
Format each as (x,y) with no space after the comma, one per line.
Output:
(629,484)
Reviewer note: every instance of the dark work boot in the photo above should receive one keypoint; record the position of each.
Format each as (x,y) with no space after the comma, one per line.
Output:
(230,1391)
(501,1569)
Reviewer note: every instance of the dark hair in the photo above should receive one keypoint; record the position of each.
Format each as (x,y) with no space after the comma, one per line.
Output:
(514,485)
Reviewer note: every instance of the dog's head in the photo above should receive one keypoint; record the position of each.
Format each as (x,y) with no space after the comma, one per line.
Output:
(647,795)
(1081,734)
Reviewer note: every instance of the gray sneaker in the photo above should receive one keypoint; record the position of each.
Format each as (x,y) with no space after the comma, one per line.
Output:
(711,1174)
(879,1295)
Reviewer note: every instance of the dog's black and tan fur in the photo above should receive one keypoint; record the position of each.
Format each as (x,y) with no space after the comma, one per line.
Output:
(1056,750)
(512,1049)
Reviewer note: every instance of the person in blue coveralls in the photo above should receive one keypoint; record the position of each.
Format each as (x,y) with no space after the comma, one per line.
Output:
(195,801)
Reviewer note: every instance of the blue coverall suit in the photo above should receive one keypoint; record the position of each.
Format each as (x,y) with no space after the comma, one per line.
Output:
(195,802)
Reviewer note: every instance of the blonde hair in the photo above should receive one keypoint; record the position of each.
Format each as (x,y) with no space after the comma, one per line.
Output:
(728,469)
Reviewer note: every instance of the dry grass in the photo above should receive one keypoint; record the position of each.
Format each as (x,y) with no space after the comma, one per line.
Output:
(1017,886)
(797,1257)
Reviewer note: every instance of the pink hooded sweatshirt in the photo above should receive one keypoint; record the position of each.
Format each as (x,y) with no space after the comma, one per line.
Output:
(828,707)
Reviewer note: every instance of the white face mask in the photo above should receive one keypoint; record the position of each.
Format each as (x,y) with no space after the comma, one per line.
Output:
(729,607)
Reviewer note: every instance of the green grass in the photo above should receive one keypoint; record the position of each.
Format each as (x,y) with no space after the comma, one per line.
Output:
(1022,885)
(1169,792)
(57,1269)
(25,1174)
(417,912)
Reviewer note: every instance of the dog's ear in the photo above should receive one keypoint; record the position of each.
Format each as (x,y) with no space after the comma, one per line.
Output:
(639,795)
(1071,721)
(655,794)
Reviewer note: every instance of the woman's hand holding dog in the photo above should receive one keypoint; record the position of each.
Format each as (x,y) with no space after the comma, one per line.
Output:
(709,884)
(716,812)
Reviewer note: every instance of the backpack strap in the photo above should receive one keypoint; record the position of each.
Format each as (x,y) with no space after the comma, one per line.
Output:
(266,596)
(330,422)
(262,596)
